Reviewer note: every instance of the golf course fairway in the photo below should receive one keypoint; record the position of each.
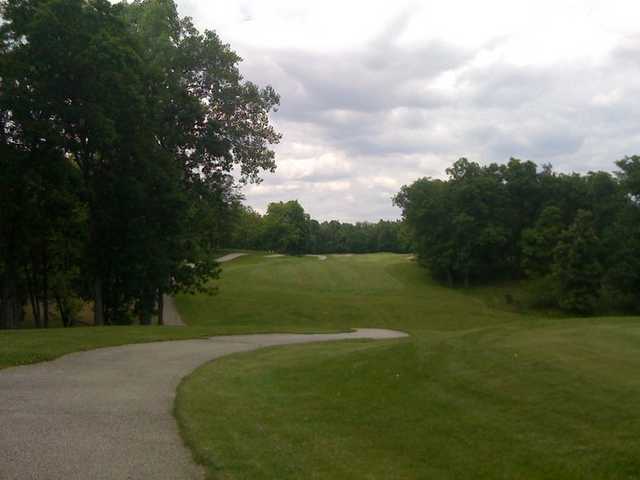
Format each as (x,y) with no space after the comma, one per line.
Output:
(473,392)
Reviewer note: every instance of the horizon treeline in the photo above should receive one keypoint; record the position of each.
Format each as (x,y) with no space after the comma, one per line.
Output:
(287,228)
(119,127)
(576,237)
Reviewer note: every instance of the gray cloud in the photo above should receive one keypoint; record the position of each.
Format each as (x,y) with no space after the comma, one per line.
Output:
(380,112)
(367,80)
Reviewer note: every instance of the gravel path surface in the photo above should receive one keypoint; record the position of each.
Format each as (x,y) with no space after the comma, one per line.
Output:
(171,315)
(106,413)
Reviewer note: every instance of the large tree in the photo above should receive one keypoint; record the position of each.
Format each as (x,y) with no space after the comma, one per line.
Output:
(154,116)
(285,227)
(577,266)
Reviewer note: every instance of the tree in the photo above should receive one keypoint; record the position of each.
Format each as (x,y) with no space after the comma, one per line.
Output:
(621,281)
(285,227)
(246,228)
(540,241)
(622,242)
(153,116)
(74,82)
(630,175)
(459,224)
(577,266)
(209,120)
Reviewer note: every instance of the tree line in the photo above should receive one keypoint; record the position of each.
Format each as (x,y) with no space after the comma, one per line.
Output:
(119,127)
(287,228)
(577,237)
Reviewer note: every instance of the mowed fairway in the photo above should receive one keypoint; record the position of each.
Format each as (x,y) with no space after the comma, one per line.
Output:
(473,393)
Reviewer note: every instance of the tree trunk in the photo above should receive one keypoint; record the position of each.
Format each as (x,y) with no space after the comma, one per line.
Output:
(45,292)
(33,298)
(64,315)
(35,309)
(160,308)
(20,312)
(146,308)
(145,317)
(9,312)
(98,307)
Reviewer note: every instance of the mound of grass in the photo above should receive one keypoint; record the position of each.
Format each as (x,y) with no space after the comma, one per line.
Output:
(302,294)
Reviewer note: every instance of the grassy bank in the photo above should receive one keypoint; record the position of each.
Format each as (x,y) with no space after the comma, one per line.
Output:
(475,392)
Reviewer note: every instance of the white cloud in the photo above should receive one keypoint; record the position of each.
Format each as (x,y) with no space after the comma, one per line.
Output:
(377,93)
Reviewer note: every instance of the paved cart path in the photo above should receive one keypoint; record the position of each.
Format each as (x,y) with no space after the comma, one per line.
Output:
(106,413)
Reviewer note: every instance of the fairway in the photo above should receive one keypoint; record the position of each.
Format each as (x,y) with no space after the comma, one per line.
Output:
(474,392)
(258,293)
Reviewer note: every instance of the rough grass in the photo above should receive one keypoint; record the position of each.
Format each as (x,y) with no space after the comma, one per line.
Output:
(20,347)
(475,392)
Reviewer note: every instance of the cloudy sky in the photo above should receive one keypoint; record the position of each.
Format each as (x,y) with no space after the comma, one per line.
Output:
(376,93)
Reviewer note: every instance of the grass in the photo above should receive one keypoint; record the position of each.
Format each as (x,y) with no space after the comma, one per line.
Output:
(20,347)
(302,293)
(479,390)
(30,345)
(476,391)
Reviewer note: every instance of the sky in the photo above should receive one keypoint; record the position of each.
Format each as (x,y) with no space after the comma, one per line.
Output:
(375,94)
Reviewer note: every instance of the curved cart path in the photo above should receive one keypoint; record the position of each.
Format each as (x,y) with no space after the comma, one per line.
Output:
(171,315)
(107,413)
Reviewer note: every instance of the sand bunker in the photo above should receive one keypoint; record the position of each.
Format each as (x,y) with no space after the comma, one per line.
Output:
(230,256)
(319,257)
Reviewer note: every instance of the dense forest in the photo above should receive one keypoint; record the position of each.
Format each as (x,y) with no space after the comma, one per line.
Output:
(119,127)
(286,228)
(576,237)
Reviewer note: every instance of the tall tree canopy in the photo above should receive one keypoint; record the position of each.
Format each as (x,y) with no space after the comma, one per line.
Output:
(131,122)
(577,233)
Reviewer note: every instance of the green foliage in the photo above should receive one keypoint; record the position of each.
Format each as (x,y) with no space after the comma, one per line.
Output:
(148,116)
(361,237)
(462,226)
(486,223)
(622,244)
(540,241)
(285,227)
(246,230)
(630,174)
(577,266)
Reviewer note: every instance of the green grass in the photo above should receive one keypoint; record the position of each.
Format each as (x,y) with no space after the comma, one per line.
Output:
(475,392)
(478,390)
(303,293)
(28,345)
(20,347)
